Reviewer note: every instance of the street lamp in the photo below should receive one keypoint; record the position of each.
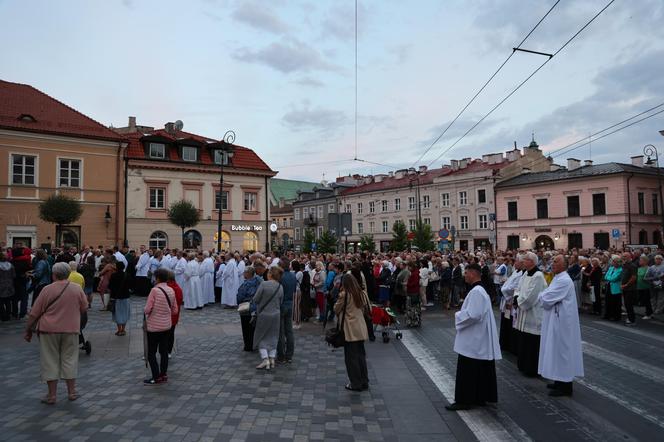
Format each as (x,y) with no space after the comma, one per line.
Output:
(226,155)
(649,150)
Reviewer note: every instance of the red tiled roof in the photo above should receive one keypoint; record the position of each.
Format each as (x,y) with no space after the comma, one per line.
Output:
(19,102)
(244,158)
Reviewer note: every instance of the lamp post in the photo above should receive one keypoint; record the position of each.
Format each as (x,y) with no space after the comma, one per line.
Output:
(226,155)
(649,150)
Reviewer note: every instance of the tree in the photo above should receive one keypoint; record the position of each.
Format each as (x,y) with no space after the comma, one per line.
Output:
(399,237)
(183,214)
(309,239)
(327,243)
(60,210)
(423,236)
(367,243)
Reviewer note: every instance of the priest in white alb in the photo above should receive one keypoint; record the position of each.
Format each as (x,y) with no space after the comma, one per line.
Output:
(179,264)
(207,278)
(529,315)
(476,343)
(230,281)
(507,291)
(560,355)
(192,290)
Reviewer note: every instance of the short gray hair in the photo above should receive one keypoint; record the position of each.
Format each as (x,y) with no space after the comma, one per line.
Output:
(531,256)
(250,270)
(61,271)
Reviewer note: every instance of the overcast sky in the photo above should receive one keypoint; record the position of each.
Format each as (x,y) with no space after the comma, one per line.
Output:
(280,73)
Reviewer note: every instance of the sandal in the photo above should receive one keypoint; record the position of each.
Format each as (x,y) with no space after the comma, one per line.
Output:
(48,400)
(73,396)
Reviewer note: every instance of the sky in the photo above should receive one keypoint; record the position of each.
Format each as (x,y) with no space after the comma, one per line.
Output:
(281,74)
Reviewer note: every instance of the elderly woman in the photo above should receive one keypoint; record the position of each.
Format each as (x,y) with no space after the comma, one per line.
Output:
(614,296)
(383,281)
(318,283)
(268,301)
(350,310)
(246,293)
(56,316)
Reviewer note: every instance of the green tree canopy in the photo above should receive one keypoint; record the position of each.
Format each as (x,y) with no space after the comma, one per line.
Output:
(327,243)
(60,210)
(309,239)
(399,237)
(367,243)
(423,236)
(183,214)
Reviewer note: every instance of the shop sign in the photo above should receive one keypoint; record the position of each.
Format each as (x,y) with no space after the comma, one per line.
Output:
(249,228)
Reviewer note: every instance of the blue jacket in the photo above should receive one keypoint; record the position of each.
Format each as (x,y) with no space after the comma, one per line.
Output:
(42,273)
(289,284)
(329,281)
(248,289)
(613,277)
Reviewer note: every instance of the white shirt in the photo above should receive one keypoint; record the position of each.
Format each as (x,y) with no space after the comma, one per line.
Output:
(509,287)
(143,265)
(476,335)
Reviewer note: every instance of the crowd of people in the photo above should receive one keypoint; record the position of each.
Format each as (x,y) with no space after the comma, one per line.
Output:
(276,293)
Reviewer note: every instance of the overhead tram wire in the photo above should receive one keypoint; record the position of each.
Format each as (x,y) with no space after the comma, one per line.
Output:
(355,79)
(485,85)
(493,109)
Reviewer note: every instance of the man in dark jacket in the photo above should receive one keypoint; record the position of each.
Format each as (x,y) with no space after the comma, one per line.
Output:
(286,345)
(628,285)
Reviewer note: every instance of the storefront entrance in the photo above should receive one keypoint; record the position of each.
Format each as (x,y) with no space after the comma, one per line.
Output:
(544,242)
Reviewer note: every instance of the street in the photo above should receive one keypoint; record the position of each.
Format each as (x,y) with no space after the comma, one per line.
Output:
(215,393)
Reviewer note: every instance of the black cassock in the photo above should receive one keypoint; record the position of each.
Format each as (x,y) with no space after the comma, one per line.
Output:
(475,381)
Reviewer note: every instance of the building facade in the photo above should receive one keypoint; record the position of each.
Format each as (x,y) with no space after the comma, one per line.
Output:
(167,165)
(282,195)
(46,148)
(590,206)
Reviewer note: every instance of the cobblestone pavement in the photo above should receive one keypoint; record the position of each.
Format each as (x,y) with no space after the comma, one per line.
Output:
(214,392)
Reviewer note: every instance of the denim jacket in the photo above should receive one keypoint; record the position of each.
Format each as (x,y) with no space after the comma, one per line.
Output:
(248,289)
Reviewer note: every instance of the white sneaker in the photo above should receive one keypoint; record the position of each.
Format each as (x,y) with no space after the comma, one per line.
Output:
(629,323)
(296,327)
(429,304)
(647,317)
(423,309)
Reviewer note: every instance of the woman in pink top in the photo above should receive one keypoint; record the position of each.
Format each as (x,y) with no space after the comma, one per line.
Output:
(57,313)
(161,304)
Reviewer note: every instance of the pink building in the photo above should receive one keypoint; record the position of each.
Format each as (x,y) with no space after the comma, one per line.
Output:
(602,206)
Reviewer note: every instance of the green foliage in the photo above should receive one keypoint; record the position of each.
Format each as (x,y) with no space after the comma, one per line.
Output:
(399,237)
(60,210)
(423,236)
(309,239)
(183,214)
(327,243)
(367,243)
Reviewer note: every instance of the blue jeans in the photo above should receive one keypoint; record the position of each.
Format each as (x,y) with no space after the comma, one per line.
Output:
(286,345)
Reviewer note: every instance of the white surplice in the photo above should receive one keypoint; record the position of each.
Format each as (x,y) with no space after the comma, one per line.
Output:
(508,288)
(529,314)
(240,272)
(192,294)
(178,270)
(219,279)
(560,355)
(230,281)
(207,280)
(476,335)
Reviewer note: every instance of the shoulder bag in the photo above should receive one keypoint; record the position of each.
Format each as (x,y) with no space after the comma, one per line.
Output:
(336,336)
(252,321)
(35,325)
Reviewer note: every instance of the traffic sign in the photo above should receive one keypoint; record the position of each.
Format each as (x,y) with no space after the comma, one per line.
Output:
(443,233)
(615,233)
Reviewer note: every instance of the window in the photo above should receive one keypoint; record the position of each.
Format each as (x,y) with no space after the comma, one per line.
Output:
(320,212)
(601,240)
(642,204)
(312,212)
(372,207)
(296,214)
(463,198)
(513,242)
(426,221)
(70,173)
(655,204)
(397,204)
(643,237)
(385,228)
(347,209)
(542,208)
(297,234)
(411,225)
(411,203)
(158,240)
(221,200)
(250,199)
(573,208)
(330,208)
(359,208)
(219,156)
(511,211)
(372,226)
(383,205)
(157,197)
(157,150)
(23,169)
(360,228)
(319,232)
(445,222)
(250,241)
(482,221)
(426,201)
(463,222)
(599,204)
(574,240)
(445,200)
(189,153)
(481,196)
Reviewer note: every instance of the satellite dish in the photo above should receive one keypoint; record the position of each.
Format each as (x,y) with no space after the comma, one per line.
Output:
(179,125)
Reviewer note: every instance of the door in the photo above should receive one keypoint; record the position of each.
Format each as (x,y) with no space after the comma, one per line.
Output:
(463,244)
(25,240)
(544,242)
(513,242)
(574,240)
(602,240)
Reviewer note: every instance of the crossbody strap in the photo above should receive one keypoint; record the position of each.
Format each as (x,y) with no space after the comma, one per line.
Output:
(269,300)
(167,299)
(52,301)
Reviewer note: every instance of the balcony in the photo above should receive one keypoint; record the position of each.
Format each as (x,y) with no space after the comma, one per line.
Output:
(310,220)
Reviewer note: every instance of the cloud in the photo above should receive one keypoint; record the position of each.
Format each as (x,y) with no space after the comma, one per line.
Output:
(310,82)
(259,16)
(288,55)
(304,117)
(339,22)
(456,130)
(401,52)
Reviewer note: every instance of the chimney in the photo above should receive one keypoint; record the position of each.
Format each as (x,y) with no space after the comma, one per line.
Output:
(588,163)
(554,167)
(170,127)
(400,173)
(637,161)
(422,169)
(455,164)
(463,163)
(486,158)
(132,124)
(573,164)
(282,202)
(390,173)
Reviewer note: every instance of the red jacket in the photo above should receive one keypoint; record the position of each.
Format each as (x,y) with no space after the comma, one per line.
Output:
(413,284)
(179,299)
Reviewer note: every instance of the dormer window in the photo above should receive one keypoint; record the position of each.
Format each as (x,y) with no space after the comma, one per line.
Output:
(219,156)
(157,151)
(189,153)
(27,118)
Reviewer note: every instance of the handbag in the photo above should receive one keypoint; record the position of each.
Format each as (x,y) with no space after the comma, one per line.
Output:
(111,306)
(244,307)
(336,336)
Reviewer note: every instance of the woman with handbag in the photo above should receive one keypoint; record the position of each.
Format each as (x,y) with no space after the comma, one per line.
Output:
(159,308)
(268,314)
(119,302)
(350,309)
(245,296)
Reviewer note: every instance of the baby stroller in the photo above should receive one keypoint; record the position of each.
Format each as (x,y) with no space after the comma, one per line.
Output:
(413,311)
(85,345)
(387,320)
